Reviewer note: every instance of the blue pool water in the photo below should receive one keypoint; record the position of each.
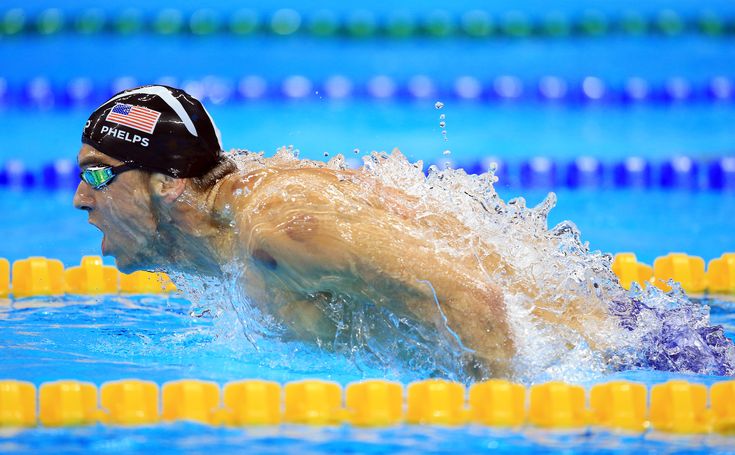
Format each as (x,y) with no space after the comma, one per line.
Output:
(159,339)
(162,338)
(191,438)
(165,338)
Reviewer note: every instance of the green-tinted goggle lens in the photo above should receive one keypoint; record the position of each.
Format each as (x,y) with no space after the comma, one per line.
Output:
(97,177)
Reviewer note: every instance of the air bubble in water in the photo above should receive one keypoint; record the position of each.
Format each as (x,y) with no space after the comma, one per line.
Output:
(447,152)
(442,117)
(356,151)
(442,124)
(326,153)
(438,105)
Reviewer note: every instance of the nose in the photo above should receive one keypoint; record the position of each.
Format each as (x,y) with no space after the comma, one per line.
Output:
(83,198)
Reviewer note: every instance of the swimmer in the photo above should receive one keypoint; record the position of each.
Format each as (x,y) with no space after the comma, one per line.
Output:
(157,183)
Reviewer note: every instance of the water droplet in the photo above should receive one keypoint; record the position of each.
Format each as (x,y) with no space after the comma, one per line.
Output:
(356,151)
(447,152)
(438,105)
(442,124)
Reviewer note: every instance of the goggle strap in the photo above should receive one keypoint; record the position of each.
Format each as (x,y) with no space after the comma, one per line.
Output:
(117,170)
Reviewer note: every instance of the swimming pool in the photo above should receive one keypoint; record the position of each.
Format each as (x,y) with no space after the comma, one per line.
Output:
(164,338)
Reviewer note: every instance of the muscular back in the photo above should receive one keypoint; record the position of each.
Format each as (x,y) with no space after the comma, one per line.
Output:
(309,233)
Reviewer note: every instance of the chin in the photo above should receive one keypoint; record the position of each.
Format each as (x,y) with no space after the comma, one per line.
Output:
(128,267)
(129,255)
(124,265)
(129,264)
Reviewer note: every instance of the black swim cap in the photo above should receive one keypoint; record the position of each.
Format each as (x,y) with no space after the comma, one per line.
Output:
(158,129)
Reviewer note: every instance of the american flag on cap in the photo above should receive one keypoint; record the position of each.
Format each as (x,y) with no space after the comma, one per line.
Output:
(138,117)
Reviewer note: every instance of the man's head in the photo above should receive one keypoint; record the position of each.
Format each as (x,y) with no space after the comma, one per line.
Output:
(141,151)
(156,128)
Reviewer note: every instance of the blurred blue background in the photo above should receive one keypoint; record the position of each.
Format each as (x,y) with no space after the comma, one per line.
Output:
(600,79)
(582,85)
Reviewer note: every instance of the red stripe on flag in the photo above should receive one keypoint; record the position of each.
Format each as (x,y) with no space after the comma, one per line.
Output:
(141,120)
(144,111)
(144,115)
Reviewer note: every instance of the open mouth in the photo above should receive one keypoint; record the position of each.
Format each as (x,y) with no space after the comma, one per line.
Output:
(103,245)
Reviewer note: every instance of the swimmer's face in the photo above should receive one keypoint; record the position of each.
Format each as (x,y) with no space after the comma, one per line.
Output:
(122,210)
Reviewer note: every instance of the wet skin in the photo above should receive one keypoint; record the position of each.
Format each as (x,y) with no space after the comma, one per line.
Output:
(109,208)
(301,235)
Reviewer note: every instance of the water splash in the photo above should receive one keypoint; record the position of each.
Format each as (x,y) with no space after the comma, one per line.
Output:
(443,126)
(568,316)
(673,332)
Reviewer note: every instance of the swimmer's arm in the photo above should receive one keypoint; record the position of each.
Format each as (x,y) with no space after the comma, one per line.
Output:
(328,223)
(314,229)
(320,231)
(320,240)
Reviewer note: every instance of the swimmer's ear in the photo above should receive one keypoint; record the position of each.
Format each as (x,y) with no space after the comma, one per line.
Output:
(166,187)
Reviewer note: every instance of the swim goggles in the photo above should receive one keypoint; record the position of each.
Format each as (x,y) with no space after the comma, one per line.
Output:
(100,175)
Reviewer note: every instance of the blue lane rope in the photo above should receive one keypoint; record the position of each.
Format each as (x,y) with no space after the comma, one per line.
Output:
(677,173)
(44,93)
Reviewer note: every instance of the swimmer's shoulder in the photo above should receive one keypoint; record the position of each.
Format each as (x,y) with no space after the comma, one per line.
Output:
(233,190)
(276,177)
(244,188)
